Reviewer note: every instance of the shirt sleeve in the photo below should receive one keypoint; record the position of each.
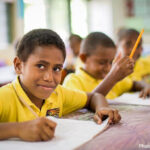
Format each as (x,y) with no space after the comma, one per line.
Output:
(73,100)
(73,82)
(121,87)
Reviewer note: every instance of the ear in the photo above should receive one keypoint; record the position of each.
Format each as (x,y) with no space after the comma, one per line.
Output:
(18,65)
(83,57)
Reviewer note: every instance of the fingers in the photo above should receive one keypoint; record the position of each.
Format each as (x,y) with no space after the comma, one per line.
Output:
(113,115)
(46,133)
(46,129)
(50,123)
(117,116)
(144,93)
(98,119)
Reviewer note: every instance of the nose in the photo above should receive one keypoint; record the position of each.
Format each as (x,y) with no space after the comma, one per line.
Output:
(48,76)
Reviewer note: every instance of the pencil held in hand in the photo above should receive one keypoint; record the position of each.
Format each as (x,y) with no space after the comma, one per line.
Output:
(136,44)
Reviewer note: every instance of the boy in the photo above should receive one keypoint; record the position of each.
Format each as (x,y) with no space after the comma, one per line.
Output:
(25,102)
(126,41)
(97,53)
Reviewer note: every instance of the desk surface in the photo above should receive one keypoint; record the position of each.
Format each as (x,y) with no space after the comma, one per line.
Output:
(133,130)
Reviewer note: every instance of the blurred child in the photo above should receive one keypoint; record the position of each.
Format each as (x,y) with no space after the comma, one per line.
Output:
(72,60)
(25,102)
(97,53)
(126,41)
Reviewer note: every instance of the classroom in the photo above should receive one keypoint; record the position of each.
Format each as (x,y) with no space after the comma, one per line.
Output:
(74,74)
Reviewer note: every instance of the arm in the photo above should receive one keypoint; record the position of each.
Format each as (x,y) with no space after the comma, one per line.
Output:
(41,129)
(119,70)
(143,87)
(97,103)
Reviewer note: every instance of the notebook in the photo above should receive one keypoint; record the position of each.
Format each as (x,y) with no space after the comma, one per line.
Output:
(69,135)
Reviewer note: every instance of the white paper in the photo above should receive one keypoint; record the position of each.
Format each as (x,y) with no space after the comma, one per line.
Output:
(69,135)
(132,98)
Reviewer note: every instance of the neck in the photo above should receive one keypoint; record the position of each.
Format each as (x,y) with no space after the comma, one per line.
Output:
(86,70)
(38,102)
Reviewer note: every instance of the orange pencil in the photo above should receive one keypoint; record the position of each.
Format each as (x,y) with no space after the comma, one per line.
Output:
(136,44)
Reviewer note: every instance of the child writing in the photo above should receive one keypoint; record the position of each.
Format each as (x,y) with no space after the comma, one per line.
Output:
(25,102)
(126,41)
(97,53)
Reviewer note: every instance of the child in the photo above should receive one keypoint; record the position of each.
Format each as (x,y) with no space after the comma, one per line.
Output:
(72,60)
(97,53)
(25,102)
(126,41)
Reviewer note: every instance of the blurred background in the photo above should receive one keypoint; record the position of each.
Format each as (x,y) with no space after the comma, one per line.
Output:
(70,16)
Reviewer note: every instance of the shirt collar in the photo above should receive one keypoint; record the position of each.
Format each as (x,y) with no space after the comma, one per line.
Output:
(86,76)
(21,93)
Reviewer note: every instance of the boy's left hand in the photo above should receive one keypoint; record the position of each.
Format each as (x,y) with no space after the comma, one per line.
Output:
(145,92)
(112,114)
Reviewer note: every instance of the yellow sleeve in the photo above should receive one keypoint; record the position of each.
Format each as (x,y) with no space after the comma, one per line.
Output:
(4,110)
(73,82)
(121,87)
(73,100)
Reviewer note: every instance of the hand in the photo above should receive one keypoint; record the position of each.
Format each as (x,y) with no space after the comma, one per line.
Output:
(41,129)
(145,92)
(103,112)
(122,68)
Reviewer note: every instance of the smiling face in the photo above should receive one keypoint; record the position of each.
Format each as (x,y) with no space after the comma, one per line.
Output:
(99,63)
(41,72)
(126,45)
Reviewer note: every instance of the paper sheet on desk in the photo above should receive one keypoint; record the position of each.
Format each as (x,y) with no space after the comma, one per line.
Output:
(131,98)
(69,134)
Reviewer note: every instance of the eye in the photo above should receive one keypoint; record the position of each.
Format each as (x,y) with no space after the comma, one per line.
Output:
(40,66)
(57,69)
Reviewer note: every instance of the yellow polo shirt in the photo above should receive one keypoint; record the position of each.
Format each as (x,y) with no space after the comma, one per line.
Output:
(141,69)
(61,102)
(84,82)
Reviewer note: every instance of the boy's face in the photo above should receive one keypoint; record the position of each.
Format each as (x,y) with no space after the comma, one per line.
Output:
(41,73)
(75,46)
(127,44)
(99,63)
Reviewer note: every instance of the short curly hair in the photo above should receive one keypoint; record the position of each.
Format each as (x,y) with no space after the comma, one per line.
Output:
(125,33)
(95,39)
(39,37)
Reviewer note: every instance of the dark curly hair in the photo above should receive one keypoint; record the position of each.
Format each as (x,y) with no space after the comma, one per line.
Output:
(39,37)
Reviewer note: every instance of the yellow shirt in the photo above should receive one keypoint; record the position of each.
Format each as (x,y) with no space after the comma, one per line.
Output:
(61,102)
(141,69)
(83,81)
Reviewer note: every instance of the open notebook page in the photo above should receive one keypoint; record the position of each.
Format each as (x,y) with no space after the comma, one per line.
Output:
(131,98)
(69,135)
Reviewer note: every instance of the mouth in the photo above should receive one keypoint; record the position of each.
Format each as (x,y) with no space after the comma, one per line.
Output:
(47,87)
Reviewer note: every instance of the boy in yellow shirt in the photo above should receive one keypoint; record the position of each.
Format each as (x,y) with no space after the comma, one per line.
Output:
(97,53)
(126,41)
(25,102)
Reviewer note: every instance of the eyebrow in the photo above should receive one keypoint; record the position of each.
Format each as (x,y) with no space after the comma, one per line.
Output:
(47,63)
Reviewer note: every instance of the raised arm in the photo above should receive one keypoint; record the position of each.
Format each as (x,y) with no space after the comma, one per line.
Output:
(119,70)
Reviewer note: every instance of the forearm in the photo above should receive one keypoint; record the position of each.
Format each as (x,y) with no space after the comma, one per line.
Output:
(8,130)
(97,101)
(106,85)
